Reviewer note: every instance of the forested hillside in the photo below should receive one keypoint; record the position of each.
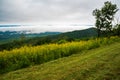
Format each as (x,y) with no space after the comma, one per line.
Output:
(68,36)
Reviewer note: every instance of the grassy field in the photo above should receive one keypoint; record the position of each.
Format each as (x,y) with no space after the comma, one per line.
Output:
(102,63)
(28,56)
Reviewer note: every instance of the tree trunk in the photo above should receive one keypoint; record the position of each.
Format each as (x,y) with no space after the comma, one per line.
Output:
(98,31)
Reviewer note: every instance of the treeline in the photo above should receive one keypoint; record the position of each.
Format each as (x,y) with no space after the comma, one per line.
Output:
(60,38)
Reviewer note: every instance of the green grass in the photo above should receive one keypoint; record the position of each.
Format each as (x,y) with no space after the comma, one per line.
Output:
(102,63)
(27,56)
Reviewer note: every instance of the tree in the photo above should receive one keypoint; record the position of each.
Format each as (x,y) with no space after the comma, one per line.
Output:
(116,30)
(22,37)
(104,17)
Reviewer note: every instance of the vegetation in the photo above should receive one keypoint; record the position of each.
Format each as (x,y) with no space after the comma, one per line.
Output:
(68,36)
(116,30)
(27,55)
(77,58)
(97,64)
(104,17)
(8,36)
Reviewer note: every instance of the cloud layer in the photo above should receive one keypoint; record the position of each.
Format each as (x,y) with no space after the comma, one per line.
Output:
(49,11)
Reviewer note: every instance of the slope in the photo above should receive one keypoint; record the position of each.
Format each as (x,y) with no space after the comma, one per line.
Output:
(78,34)
(96,64)
(68,36)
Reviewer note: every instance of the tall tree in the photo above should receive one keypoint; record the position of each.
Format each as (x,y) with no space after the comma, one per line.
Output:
(104,17)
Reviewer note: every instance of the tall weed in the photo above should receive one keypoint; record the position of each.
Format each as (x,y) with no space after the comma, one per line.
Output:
(27,55)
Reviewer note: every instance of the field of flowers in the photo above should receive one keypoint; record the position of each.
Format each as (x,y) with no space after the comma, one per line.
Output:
(28,55)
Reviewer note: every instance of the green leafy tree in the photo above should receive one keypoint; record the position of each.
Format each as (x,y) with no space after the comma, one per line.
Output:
(116,30)
(104,17)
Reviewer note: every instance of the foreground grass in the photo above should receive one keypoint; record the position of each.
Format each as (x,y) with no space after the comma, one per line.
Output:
(27,56)
(96,64)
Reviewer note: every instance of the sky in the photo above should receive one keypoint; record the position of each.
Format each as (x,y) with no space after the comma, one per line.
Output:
(50,11)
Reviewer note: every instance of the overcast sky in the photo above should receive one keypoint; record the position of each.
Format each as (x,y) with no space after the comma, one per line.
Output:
(49,11)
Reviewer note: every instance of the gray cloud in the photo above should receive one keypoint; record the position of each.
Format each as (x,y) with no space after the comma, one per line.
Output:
(28,11)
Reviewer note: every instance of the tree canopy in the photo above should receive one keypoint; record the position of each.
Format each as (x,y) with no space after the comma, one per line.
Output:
(105,16)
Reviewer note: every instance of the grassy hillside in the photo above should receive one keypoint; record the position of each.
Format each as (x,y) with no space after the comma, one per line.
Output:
(28,55)
(97,64)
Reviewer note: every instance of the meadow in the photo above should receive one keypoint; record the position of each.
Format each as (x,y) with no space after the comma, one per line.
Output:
(29,56)
(101,63)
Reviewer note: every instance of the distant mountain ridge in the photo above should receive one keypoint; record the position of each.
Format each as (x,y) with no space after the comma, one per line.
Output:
(10,25)
(90,32)
(56,38)
(13,35)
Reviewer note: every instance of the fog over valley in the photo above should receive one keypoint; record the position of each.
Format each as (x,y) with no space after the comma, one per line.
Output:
(44,28)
